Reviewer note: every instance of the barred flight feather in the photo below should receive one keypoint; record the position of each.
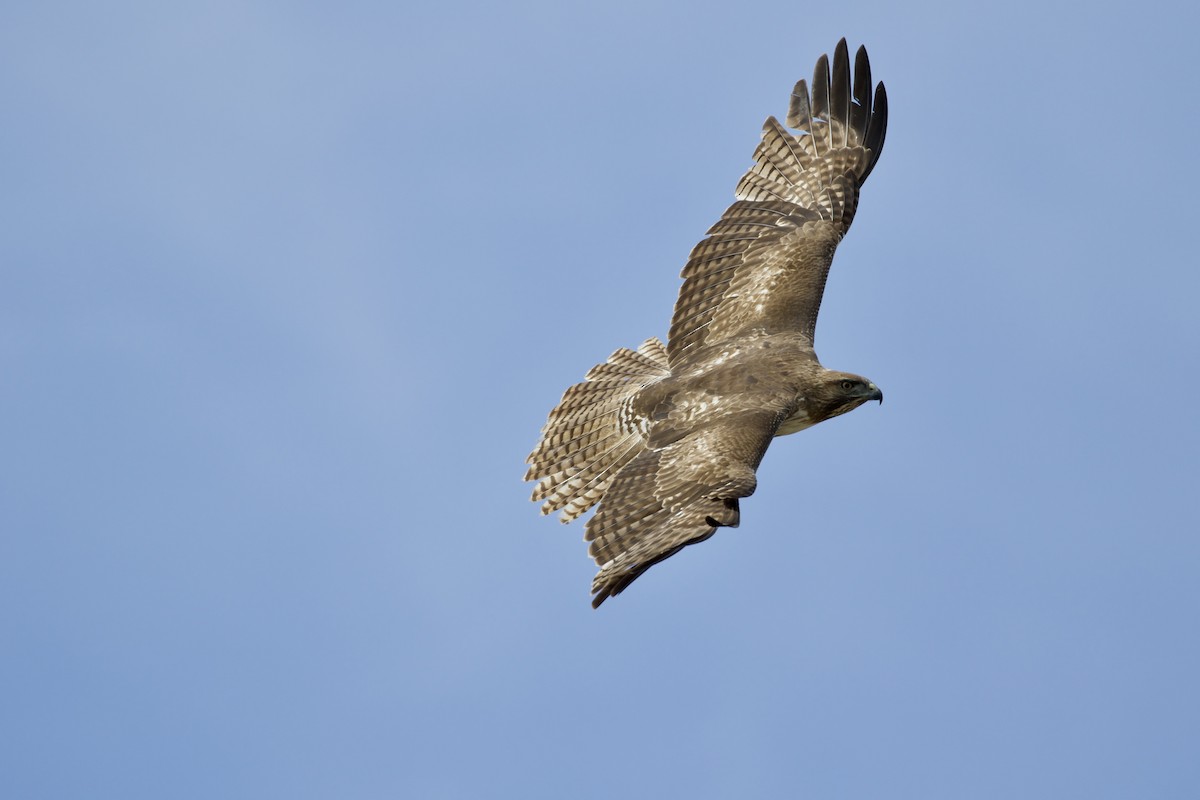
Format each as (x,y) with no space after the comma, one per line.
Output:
(590,435)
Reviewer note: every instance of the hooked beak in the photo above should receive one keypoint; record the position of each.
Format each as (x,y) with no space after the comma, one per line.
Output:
(876,394)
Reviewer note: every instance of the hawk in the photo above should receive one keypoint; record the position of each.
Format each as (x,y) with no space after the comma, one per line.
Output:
(667,438)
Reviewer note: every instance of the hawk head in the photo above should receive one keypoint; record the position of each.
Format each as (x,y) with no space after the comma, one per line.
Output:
(838,392)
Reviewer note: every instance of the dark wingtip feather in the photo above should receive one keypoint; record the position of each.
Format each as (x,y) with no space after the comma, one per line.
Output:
(799,115)
(860,110)
(617,583)
(876,128)
(820,97)
(839,100)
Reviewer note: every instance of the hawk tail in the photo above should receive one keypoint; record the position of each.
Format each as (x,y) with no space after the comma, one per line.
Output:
(590,435)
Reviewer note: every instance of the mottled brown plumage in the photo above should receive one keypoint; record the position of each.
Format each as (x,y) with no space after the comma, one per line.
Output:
(667,438)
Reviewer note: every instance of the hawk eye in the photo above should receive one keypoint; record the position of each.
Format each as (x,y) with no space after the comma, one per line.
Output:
(847,385)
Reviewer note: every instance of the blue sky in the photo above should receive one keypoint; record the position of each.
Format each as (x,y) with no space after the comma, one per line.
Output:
(287,290)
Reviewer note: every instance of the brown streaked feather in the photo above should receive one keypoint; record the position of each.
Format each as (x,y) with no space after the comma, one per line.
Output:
(673,496)
(591,435)
(764,264)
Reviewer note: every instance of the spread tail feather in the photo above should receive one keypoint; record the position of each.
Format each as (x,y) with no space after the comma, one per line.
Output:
(590,435)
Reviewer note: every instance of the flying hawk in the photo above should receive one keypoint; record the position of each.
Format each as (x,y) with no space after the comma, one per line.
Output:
(667,438)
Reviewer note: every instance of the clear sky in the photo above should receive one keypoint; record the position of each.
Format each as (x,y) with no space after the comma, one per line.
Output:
(287,290)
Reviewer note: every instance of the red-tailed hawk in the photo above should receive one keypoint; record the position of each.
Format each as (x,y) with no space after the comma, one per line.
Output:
(667,438)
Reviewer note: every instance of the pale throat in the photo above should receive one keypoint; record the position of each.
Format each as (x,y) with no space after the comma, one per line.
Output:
(798,421)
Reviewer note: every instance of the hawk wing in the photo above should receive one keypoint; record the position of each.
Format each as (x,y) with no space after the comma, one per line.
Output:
(764,264)
(678,494)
